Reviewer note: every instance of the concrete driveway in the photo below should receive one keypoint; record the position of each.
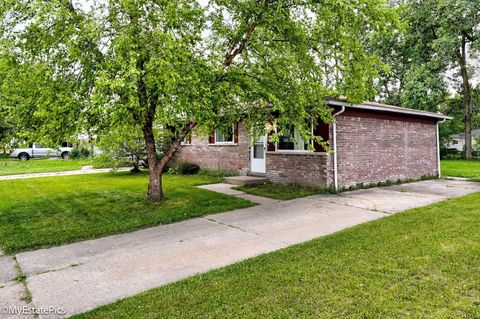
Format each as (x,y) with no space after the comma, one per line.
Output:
(85,275)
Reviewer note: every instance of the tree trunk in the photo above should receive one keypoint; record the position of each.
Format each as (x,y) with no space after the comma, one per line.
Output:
(467,99)
(155,190)
(155,187)
(157,167)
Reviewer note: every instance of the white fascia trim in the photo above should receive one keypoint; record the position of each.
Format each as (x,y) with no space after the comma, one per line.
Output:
(392,109)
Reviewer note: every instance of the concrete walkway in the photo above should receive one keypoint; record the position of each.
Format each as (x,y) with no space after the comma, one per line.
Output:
(86,170)
(85,275)
(228,189)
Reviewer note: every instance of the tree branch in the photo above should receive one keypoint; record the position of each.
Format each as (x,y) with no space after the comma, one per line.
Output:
(238,47)
(176,144)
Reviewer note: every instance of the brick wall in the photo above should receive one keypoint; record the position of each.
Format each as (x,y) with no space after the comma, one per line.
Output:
(309,169)
(217,157)
(372,149)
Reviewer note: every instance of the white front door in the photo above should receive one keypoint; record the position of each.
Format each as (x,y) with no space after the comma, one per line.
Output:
(258,155)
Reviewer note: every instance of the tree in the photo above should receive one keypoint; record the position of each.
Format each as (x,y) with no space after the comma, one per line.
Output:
(177,65)
(458,39)
(6,136)
(441,37)
(124,145)
(453,106)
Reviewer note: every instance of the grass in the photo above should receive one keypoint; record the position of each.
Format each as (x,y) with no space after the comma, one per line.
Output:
(423,263)
(289,191)
(461,168)
(15,167)
(280,191)
(44,212)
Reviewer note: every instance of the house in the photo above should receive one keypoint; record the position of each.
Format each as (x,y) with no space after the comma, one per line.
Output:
(371,143)
(458,141)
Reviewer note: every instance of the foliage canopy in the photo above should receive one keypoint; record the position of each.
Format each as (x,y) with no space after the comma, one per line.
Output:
(183,64)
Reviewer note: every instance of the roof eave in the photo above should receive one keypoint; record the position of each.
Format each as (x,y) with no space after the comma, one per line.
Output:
(389,109)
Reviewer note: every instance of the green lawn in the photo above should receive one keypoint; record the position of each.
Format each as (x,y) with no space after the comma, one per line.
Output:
(50,211)
(461,168)
(279,191)
(14,166)
(423,263)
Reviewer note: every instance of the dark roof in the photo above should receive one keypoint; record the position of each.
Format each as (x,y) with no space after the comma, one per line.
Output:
(373,106)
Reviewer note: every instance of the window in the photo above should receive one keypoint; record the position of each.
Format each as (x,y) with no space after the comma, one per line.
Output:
(291,141)
(225,136)
(188,139)
(259,148)
(258,151)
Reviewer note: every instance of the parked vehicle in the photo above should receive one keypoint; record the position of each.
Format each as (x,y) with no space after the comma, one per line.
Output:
(37,151)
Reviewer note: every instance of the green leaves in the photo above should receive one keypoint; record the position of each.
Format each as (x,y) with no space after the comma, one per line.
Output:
(82,67)
(297,53)
(427,49)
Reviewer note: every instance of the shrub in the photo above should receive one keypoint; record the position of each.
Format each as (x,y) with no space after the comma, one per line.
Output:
(108,161)
(189,168)
(184,169)
(217,173)
(454,157)
(80,153)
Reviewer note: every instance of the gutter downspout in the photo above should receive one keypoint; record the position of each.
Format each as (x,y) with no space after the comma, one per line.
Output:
(438,149)
(335,164)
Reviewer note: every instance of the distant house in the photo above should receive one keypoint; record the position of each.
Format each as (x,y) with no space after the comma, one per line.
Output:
(371,143)
(458,140)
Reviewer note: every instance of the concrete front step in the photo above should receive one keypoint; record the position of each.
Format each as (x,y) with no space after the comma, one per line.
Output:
(245,180)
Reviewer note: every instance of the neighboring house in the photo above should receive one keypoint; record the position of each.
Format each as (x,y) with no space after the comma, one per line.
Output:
(371,143)
(458,140)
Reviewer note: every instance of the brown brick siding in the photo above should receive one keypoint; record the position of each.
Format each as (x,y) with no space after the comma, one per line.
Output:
(217,157)
(372,150)
(369,149)
(309,169)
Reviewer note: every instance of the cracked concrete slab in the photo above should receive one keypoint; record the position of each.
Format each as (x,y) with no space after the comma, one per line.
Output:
(11,300)
(8,272)
(46,260)
(222,188)
(385,200)
(442,187)
(257,199)
(121,267)
(81,276)
(228,189)
(297,221)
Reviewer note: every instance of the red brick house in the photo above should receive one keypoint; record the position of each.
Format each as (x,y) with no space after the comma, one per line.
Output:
(371,143)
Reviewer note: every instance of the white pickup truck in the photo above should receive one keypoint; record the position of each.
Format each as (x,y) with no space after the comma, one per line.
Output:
(37,151)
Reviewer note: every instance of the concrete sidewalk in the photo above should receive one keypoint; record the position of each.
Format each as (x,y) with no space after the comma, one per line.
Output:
(85,275)
(228,189)
(64,173)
